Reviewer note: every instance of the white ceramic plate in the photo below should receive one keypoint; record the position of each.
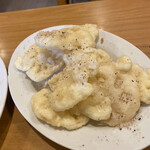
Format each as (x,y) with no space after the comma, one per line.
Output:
(136,136)
(3,86)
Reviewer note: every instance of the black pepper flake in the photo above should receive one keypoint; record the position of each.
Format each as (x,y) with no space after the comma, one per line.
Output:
(139,119)
(120,128)
(83,145)
(132,80)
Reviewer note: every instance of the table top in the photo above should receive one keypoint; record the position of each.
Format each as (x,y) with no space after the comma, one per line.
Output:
(127,19)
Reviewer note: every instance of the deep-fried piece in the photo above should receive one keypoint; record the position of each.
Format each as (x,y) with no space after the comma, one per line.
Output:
(39,63)
(42,109)
(71,86)
(125,99)
(84,63)
(124,63)
(143,80)
(118,82)
(68,38)
(66,92)
(96,106)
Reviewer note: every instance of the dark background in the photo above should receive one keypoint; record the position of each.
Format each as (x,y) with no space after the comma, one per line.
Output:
(13,5)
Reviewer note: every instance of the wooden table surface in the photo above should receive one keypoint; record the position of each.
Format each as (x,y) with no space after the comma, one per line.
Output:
(129,19)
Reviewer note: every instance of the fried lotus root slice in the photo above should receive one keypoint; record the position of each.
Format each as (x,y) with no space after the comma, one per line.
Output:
(143,80)
(84,63)
(125,100)
(96,107)
(66,93)
(39,63)
(68,38)
(42,109)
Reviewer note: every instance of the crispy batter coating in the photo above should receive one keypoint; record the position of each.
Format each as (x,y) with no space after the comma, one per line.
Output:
(123,91)
(68,38)
(125,100)
(84,63)
(143,80)
(66,93)
(39,63)
(42,109)
(96,107)
(124,63)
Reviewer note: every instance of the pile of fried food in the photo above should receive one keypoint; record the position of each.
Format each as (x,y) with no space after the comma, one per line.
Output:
(89,86)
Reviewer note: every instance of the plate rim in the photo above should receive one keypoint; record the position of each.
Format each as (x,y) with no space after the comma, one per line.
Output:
(5,88)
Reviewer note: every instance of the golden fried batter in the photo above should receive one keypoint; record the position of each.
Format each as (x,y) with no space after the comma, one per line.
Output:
(68,38)
(39,63)
(66,92)
(67,119)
